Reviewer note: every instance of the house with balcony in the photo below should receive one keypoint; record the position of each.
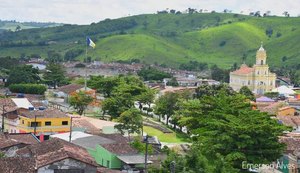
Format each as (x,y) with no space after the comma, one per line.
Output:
(43,123)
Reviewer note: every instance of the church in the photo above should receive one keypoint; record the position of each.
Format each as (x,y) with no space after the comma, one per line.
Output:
(258,78)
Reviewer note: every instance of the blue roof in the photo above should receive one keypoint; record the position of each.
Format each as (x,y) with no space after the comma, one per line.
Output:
(264,99)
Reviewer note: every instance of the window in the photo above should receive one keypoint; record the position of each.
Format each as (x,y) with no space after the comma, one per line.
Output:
(107,163)
(248,82)
(262,62)
(257,72)
(33,124)
(48,123)
(22,121)
(64,123)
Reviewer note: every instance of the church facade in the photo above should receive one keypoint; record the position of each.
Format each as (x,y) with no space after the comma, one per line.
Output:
(258,78)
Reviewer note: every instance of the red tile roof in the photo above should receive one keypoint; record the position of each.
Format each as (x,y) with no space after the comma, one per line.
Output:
(293,121)
(244,69)
(292,143)
(55,150)
(9,140)
(47,113)
(17,165)
(70,88)
(8,104)
(120,148)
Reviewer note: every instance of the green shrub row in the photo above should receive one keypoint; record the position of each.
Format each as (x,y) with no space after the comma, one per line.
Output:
(28,88)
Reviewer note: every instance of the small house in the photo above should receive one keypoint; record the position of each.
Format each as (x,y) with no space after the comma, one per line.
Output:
(54,155)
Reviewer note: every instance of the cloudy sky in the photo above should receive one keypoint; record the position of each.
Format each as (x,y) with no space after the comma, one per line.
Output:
(88,11)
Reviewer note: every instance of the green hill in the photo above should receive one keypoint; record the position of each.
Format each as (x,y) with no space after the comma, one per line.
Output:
(214,38)
(13,25)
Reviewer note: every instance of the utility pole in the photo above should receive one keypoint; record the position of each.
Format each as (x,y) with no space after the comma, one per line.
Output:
(3,112)
(146,152)
(34,132)
(70,137)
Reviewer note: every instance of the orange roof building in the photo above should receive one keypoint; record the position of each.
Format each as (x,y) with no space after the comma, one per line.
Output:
(258,78)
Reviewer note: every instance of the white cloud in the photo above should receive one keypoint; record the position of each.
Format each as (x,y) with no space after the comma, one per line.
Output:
(88,11)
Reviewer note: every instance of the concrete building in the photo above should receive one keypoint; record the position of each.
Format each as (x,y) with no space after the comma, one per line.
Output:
(258,78)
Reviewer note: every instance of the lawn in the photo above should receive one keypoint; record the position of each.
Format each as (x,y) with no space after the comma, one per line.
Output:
(166,137)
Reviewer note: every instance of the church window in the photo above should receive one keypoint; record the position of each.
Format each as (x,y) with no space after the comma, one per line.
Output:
(257,72)
(265,72)
(248,82)
(262,62)
(271,83)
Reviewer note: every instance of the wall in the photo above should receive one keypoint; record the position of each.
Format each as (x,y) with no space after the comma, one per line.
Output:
(101,156)
(287,112)
(68,164)
(56,125)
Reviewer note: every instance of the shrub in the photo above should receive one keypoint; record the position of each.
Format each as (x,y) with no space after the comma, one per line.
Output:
(278,34)
(28,88)
(140,146)
(222,43)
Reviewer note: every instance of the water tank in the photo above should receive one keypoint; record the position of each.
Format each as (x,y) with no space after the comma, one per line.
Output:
(31,108)
(20,95)
(41,108)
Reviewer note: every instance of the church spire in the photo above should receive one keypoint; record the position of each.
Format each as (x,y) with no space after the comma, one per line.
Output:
(261,47)
(261,55)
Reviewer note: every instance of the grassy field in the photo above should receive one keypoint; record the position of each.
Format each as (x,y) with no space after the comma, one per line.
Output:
(166,137)
(214,38)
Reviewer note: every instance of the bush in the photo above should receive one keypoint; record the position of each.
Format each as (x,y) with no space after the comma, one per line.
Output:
(141,147)
(28,88)
(222,43)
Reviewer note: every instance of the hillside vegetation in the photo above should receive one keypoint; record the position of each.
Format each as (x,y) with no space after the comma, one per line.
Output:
(14,25)
(171,39)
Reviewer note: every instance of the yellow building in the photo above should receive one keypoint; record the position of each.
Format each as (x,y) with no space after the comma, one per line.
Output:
(43,122)
(258,78)
(286,111)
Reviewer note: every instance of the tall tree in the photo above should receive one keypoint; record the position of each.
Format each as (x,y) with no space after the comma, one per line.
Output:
(227,130)
(166,105)
(147,98)
(80,100)
(23,74)
(54,74)
(130,121)
(104,85)
(127,90)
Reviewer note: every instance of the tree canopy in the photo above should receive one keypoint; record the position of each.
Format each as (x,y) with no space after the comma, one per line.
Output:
(247,92)
(227,132)
(130,121)
(150,73)
(80,100)
(23,74)
(54,74)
